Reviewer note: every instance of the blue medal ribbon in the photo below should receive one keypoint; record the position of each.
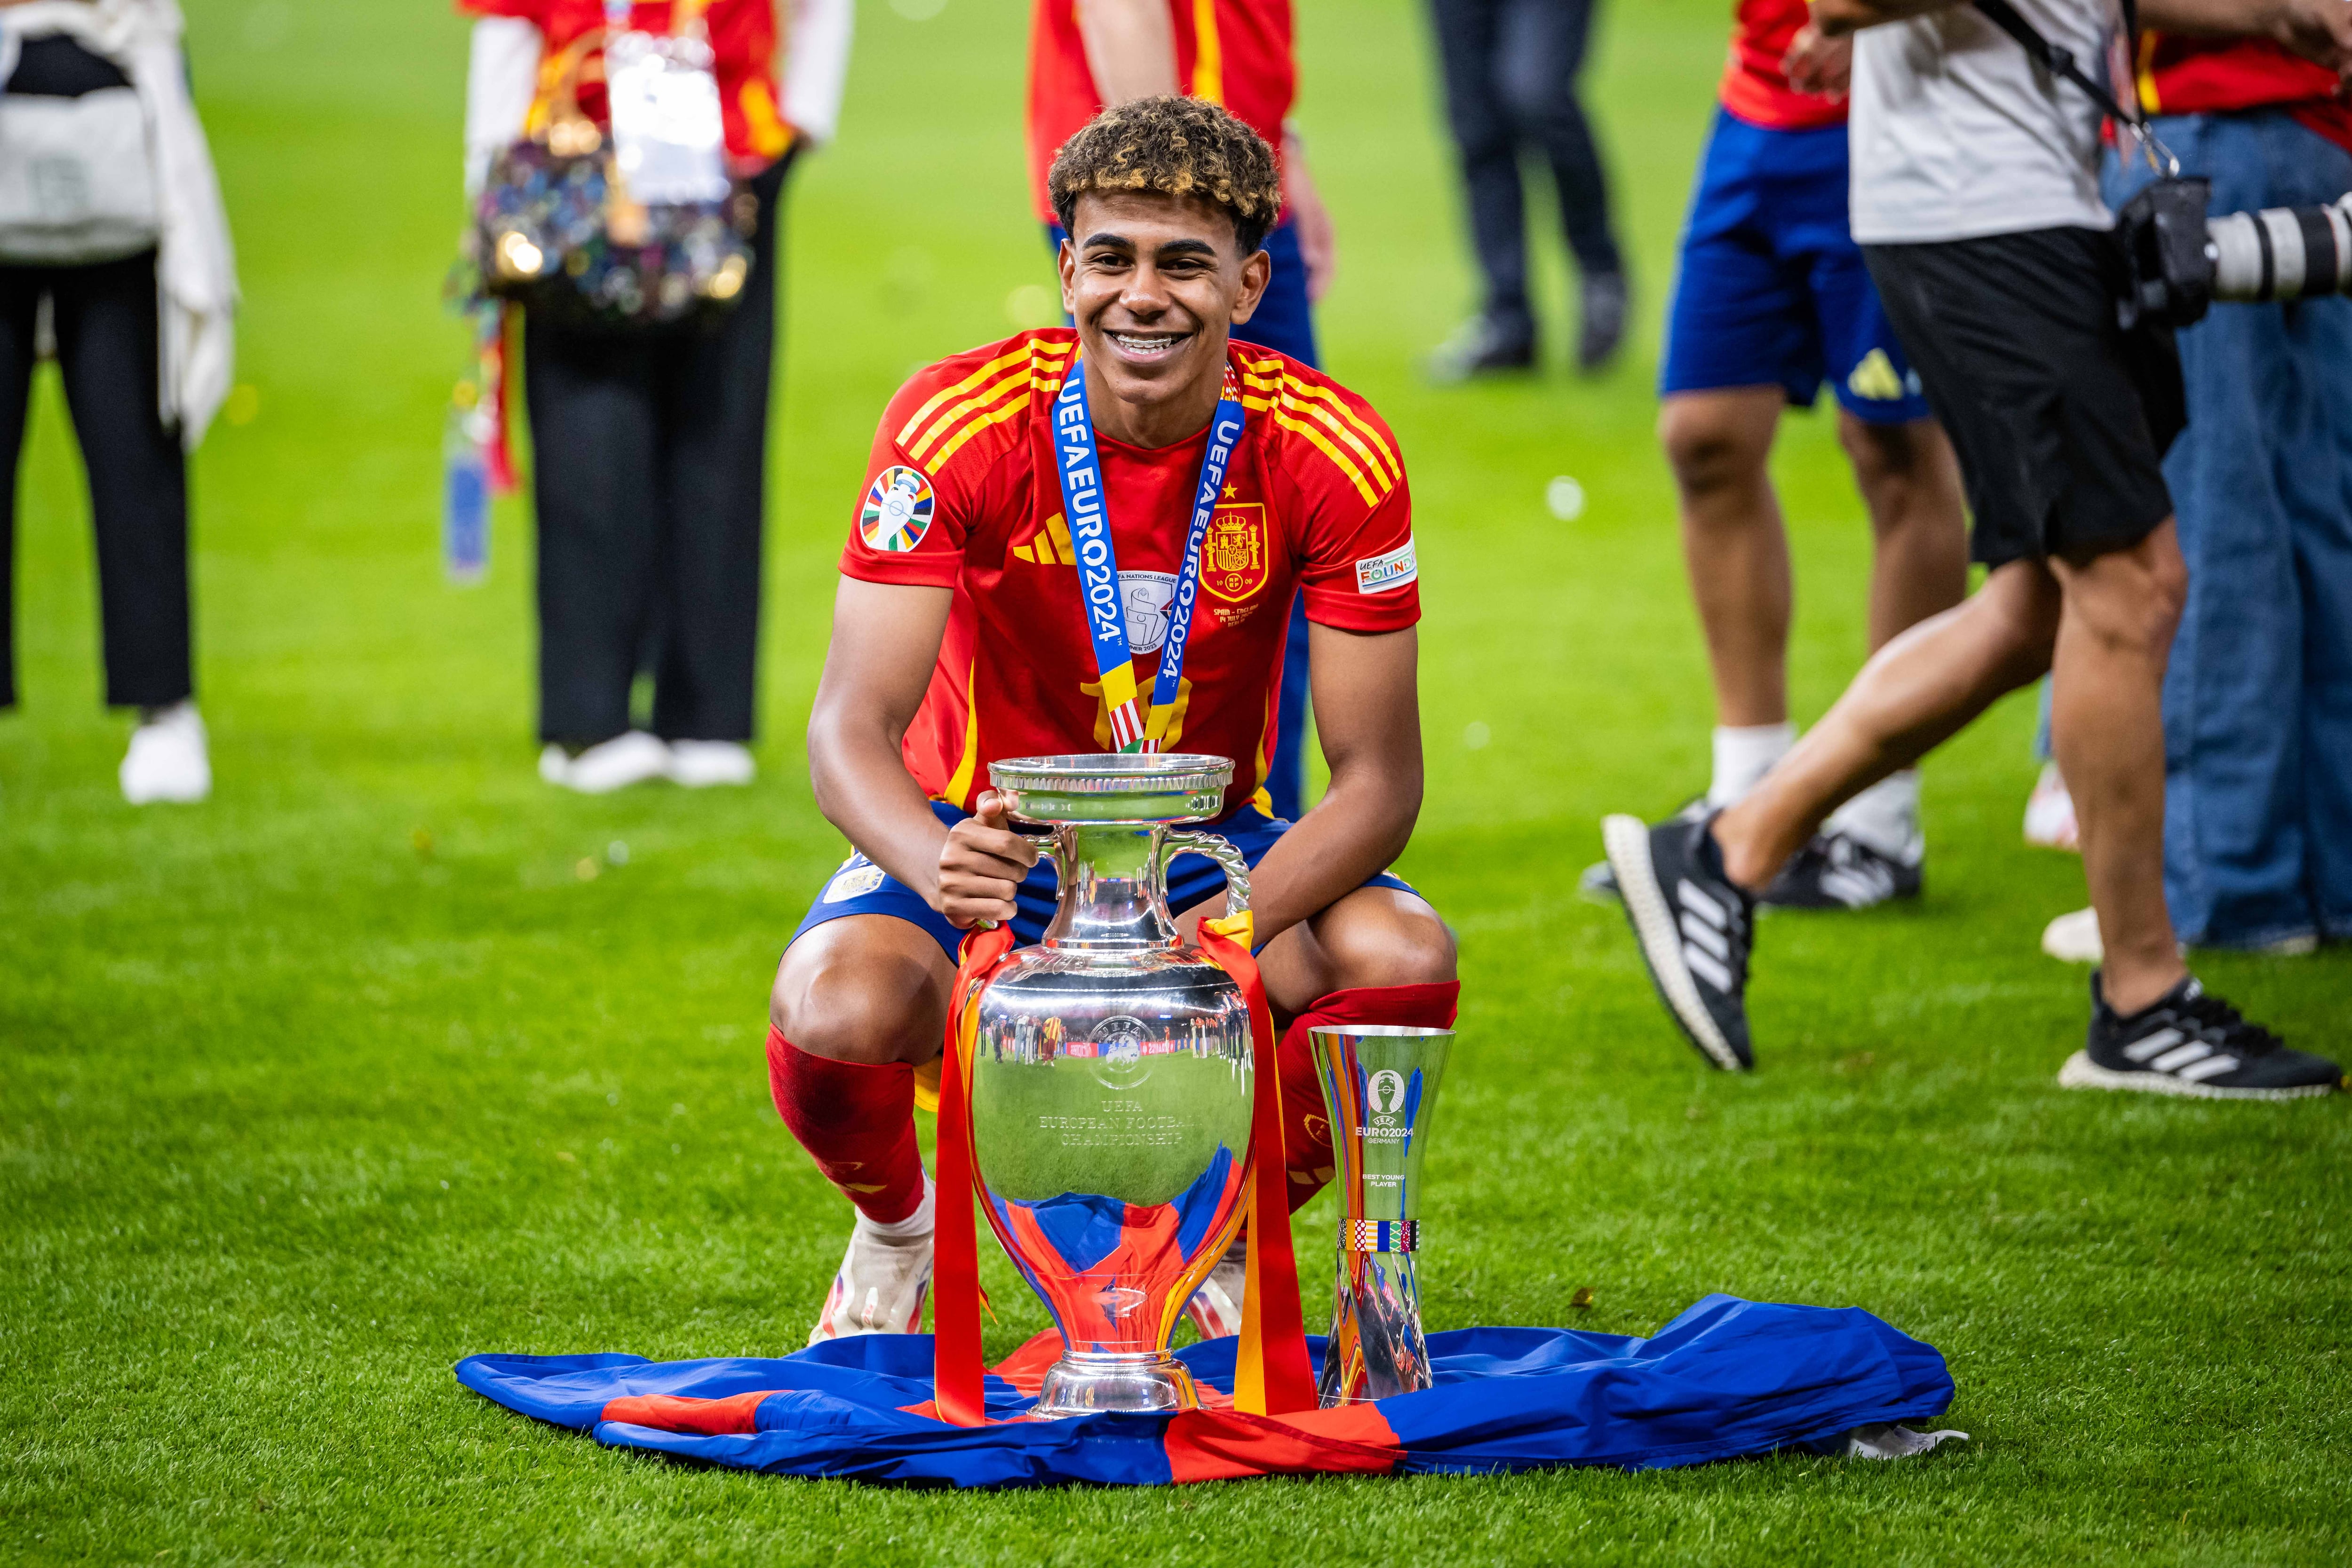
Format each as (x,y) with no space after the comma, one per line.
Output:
(1085,509)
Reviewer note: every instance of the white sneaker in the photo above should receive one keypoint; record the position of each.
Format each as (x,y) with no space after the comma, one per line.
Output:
(2074,938)
(167,761)
(2050,815)
(883,1276)
(615,764)
(1215,1308)
(699,764)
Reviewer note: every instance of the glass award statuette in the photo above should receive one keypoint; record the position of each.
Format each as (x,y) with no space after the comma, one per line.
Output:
(1112,1078)
(1379,1089)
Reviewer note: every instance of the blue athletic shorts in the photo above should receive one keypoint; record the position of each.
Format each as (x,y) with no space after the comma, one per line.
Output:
(861,887)
(1771,289)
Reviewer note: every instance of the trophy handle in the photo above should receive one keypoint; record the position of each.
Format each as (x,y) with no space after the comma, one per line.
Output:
(1220,850)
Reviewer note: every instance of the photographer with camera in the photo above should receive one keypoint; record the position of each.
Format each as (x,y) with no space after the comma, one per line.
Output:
(1975,200)
(2257,698)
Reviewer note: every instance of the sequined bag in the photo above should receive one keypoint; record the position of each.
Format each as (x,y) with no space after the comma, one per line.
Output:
(557,230)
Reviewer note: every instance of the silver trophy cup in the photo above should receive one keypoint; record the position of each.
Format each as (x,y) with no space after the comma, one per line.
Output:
(1111,1077)
(1379,1089)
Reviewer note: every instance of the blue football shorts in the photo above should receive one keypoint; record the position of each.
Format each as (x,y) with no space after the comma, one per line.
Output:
(861,887)
(1771,289)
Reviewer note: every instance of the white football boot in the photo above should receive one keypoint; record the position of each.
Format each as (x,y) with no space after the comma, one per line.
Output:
(699,764)
(167,761)
(884,1278)
(629,758)
(1215,1308)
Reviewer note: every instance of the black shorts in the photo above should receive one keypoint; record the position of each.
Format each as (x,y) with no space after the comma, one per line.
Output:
(2061,418)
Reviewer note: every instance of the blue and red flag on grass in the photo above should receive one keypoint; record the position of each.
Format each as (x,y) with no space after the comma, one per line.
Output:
(1725,1379)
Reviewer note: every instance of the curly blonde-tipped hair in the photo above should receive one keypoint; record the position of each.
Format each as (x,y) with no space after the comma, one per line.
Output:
(1173,147)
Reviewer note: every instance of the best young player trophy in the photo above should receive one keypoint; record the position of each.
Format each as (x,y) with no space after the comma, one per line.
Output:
(1380,1087)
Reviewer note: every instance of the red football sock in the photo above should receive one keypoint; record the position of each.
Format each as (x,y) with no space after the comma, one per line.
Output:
(857,1122)
(1306,1136)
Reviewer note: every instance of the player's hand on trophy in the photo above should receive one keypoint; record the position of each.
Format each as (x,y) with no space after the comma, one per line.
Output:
(982,864)
(1819,64)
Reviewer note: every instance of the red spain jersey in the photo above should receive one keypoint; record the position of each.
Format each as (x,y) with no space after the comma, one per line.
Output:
(1236,53)
(1755,88)
(744,57)
(963,491)
(2180,75)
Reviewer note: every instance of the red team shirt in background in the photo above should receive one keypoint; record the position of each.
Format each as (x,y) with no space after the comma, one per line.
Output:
(2200,76)
(1236,53)
(963,492)
(743,54)
(1755,88)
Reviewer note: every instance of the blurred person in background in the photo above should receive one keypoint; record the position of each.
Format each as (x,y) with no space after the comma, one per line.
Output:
(115,261)
(1976,202)
(1085,56)
(2258,696)
(1772,297)
(649,466)
(1510,69)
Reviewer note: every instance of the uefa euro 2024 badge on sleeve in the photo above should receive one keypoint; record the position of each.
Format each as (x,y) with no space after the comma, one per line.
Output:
(898,512)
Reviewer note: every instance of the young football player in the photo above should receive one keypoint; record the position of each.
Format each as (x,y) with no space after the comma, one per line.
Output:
(961,637)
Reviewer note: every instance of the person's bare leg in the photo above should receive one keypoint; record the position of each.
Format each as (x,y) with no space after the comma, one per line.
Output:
(2115,636)
(1910,484)
(1918,690)
(1719,445)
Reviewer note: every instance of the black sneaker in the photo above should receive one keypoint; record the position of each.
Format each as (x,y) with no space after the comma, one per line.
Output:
(1695,925)
(1838,871)
(1607,304)
(1598,885)
(2190,1043)
(1485,345)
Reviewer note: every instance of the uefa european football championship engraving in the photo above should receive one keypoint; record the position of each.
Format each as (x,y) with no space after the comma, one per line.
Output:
(1379,1089)
(1112,1080)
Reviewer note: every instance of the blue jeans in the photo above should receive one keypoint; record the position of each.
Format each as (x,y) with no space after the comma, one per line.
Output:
(1285,322)
(2257,698)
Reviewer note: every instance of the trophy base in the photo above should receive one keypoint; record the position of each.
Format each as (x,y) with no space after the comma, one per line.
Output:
(1086,1383)
(1376,1349)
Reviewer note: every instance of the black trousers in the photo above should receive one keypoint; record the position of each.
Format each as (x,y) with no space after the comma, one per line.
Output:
(648,471)
(1510,84)
(108,341)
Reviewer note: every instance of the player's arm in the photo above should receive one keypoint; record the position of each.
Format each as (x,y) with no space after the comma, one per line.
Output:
(1130,48)
(1302,204)
(886,638)
(2318,30)
(1836,19)
(1368,713)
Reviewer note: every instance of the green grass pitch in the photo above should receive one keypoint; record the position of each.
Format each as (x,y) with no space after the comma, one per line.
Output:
(390,1053)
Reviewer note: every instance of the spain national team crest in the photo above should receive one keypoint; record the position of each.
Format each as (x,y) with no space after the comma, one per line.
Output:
(898,512)
(1233,555)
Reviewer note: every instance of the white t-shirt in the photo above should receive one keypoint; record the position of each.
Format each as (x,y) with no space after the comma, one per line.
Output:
(1957,132)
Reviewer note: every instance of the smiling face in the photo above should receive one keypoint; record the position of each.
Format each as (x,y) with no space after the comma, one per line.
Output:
(1155,284)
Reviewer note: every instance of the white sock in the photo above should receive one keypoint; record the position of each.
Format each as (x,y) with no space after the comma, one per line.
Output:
(917,1224)
(1743,755)
(1886,817)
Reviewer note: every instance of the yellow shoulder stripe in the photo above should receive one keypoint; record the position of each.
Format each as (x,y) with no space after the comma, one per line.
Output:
(1322,443)
(1374,447)
(1016,383)
(1025,355)
(972,427)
